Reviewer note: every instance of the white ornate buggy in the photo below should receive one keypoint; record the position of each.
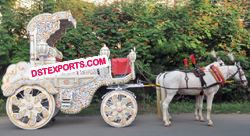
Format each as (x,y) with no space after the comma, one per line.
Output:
(32,104)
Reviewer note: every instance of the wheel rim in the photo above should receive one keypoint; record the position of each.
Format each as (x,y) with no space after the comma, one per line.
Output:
(119,109)
(31,107)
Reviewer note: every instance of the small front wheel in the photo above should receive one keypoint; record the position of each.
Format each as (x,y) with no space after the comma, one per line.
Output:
(31,107)
(119,108)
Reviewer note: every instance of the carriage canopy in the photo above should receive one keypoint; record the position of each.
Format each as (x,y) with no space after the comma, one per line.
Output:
(49,28)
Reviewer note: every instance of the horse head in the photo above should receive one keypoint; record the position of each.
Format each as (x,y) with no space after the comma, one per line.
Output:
(239,75)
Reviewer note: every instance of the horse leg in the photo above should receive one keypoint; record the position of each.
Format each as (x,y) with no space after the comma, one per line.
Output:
(200,108)
(209,108)
(170,118)
(165,106)
(196,107)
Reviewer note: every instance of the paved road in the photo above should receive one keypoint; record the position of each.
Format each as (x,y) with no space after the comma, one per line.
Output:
(144,125)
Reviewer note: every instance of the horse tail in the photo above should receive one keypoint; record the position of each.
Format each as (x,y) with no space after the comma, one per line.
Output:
(160,92)
(158,96)
(163,90)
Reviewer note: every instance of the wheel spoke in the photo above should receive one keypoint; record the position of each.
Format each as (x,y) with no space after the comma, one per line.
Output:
(27,94)
(44,101)
(124,120)
(113,117)
(125,100)
(114,100)
(17,102)
(32,120)
(39,116)
(108,109)
(23,119)
(21,95)
(43,110)
(39,97)
(19,115)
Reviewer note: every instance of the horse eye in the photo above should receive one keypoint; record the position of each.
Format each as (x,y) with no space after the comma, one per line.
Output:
(221,64)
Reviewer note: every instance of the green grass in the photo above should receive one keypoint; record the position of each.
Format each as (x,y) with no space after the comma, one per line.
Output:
(93,109)
(189,107)
(175,108)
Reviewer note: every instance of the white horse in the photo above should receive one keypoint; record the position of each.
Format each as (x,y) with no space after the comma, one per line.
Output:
(176,79)
(161,95)
(199,99)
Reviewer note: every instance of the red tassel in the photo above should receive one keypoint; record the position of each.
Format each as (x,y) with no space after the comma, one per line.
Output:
(192,58)
(185,62)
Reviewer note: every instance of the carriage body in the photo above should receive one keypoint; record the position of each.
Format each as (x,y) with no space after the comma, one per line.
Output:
(67,92)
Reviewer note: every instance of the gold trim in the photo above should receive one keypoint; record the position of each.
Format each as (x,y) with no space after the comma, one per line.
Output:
(8,92)
(44,63)
(90,78)
(50,79)
(66,85)
(60,54)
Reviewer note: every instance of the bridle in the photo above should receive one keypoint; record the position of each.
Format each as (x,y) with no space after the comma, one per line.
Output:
(241,73)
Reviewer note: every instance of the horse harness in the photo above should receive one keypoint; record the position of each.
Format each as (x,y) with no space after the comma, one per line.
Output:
(214,84)
(198,72)
(241,73)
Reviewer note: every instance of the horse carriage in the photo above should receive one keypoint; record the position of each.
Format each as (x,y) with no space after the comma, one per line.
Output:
(32,103)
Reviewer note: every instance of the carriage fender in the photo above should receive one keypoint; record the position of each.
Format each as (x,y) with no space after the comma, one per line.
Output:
(119,90)
(10,90)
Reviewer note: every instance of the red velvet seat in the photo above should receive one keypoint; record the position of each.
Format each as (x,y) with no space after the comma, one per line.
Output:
(120,65)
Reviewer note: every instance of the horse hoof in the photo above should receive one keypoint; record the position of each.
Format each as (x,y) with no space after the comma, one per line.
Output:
(197,119)
(170,119)
(211,124)
(168,125)
(202,120)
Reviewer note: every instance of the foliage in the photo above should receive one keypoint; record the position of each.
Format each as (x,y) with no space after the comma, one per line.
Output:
(2,108)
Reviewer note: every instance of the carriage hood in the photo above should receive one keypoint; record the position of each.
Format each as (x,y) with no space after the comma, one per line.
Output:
(49,28)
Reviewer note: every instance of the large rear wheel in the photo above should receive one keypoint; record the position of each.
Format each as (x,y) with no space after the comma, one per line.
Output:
(31,107)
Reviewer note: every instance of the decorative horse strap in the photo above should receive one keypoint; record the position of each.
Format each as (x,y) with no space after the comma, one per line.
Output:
(217,75)
(200,73)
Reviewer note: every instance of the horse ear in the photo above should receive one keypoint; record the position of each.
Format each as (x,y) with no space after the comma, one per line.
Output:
(213,54)
(238,63)
(218,59)
(231,57)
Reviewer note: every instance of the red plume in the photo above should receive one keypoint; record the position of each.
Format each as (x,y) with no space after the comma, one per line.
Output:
(185,61)
(192,58)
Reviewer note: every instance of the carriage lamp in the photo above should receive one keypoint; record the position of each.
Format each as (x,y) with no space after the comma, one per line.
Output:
(105,51)
(132,56)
